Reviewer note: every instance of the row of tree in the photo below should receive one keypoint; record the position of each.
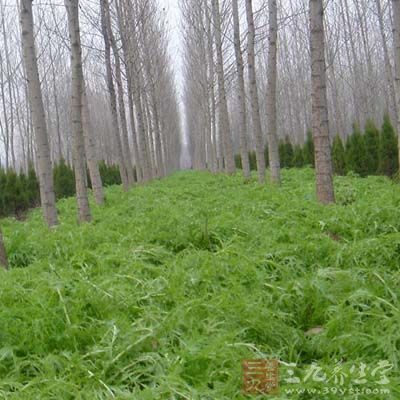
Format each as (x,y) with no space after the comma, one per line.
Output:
(51,87)
(349,73)
(373,152)
(20,192)
(369,153)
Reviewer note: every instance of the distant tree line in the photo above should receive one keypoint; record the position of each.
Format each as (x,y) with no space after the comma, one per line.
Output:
(372,152)
(20,192)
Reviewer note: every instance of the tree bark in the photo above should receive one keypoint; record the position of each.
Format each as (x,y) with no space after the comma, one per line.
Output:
(211,95)
(255,107)
(388,65)
(273,147)
(396,45)
(35,98)
(113,98)
(244,151)
(129,47)
(224,124)
(323,160)
(77,90)
(91,153)
(126,153)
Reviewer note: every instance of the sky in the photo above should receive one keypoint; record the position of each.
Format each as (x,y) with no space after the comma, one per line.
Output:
(173,15)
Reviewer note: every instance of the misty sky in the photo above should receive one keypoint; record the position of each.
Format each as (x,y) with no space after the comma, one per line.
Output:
(172,8)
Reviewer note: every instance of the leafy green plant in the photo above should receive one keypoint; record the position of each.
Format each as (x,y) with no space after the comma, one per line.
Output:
(176,282)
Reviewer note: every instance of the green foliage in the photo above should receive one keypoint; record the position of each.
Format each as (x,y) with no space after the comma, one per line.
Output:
(338,156)
(266,155)
(64,180)
(388,152)
(356,154)
(32,187)
(286,153)
(372,138)
(366,154)
(19,192)
(109,174)
(308,151)
(253,161)
(176,282)
(14,198)
(298,157)
(238,161)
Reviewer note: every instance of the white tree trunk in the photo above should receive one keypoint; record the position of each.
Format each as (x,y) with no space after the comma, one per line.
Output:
(77,90)
(47,195)
(273,147)
(396,44)
(211,94)
(255,107)
(388,65)
(91,153)
(126,153)
(224,123)
(323,160)
(113,97)
(244,151)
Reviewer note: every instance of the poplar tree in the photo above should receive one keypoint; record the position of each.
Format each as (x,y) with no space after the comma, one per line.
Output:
(77,91)
(47,195)
(323,159)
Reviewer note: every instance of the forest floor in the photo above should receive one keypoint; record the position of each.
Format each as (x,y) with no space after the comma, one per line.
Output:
(175,283)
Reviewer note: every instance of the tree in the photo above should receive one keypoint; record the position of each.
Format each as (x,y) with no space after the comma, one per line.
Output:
(47,195)
(396,45)
(338,156)
(77,90)
(32,187)
(388,154)
(90,147)
(3,254)
(254,101)
(388,64)
(309,150)
(323,159)
(286,153)
(64,180)
(105,28)
(241,92)
(371,139)
(298,158)
(356,155)
(273,151)
(224,124)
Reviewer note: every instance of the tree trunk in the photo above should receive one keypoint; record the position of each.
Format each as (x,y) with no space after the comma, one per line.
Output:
(273,147)
(388,65)
(212,105)
(396,45)
(126,153)
(323,160)
(113,98)
(224,124)
(77,90)
(91,153)
(35,98)
(3,254)
(244,151)
(255,107)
